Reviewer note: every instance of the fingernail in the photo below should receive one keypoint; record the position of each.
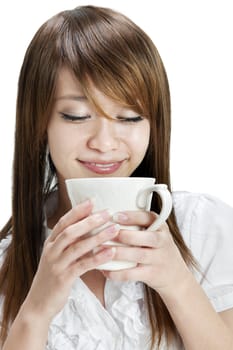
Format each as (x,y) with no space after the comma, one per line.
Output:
(86,202)
(113,249)
(113,229)
(89,201)
(106,214)
(111,252)
(103,215)
(120,217)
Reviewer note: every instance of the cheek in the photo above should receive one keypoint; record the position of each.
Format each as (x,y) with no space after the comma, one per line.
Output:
(139,140)
(59,142)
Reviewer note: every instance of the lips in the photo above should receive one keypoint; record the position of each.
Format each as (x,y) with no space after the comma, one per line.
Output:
(102,167)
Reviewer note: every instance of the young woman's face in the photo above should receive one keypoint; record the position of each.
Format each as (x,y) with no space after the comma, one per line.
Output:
(83,143)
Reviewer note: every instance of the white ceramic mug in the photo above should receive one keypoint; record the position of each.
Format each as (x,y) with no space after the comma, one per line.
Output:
(120,194)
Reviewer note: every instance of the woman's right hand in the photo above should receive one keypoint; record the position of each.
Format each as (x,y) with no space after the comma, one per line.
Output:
(68,254)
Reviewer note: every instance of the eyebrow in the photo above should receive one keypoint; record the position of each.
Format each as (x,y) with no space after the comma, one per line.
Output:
(72,97)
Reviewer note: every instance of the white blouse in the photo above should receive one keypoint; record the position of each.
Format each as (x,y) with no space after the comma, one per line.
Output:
(206,224)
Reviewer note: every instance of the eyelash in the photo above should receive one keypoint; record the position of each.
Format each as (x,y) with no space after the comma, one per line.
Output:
(74,118)
(77,118)
(131,120)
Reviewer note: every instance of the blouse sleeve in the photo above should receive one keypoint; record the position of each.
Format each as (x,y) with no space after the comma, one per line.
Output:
(211,242)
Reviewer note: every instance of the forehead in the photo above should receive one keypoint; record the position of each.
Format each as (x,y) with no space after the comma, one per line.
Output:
(67,83)
(69,88)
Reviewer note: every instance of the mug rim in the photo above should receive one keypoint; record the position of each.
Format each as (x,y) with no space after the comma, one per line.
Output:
(107,179)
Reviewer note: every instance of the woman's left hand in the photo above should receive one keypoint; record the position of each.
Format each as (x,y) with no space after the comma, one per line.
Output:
(159,262)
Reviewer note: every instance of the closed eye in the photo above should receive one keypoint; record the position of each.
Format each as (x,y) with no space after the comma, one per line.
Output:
(74,118)
(136,119)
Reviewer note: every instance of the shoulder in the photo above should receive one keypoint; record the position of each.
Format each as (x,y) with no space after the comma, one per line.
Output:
(202,218)
(201,214)
(206,224)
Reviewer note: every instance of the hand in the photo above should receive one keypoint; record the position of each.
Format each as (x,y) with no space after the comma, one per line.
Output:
(159,262)
(67,254)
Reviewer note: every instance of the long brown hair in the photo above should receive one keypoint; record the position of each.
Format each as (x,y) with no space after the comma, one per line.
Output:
(106,48)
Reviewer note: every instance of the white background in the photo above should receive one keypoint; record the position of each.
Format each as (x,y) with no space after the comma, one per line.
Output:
(195,40)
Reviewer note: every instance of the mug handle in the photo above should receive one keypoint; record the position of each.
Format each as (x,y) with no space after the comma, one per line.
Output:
(166,199)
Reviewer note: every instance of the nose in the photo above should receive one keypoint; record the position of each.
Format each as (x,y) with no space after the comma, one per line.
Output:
(104,136)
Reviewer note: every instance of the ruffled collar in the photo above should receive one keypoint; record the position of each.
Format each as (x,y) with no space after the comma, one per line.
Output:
(84,323)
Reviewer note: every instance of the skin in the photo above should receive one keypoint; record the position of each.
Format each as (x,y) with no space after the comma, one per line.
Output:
(67,253)
(92,139)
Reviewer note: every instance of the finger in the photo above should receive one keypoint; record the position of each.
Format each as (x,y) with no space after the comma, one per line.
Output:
(91,262)
(77,213)
(150,239)
(81,248)
(138,255)
(72,233)
(140,218)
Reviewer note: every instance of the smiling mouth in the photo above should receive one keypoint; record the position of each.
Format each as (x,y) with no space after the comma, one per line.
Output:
(102,168)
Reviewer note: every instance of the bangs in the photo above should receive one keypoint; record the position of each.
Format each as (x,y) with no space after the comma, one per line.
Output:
(108,51)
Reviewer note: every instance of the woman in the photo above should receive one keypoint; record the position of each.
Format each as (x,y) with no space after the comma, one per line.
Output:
(93,100)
